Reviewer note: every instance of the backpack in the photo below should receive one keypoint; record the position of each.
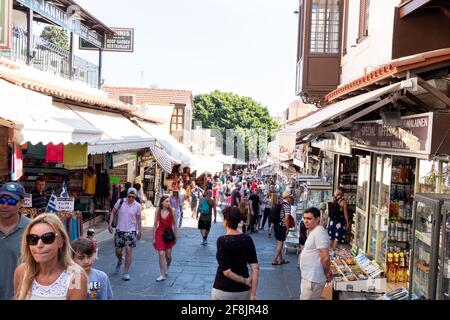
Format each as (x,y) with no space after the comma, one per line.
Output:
(274,215)
(203,207)
(334,209)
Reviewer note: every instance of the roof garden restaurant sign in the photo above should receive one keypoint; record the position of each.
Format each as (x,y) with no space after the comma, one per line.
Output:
(69,20)
(413,136)
(121,41)
(5,24)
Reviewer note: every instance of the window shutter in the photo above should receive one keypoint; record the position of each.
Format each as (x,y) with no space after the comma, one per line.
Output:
(363,19)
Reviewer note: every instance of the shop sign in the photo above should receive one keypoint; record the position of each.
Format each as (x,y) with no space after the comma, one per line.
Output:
(339,144)
(65,204)
(413,136)
(123,158)
(114,180)
(122,40)
(69,20)
(5,24)
(28,201)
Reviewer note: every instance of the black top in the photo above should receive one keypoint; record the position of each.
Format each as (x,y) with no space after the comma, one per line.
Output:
(255,203)
(235,253)
(236,194)
(39,201)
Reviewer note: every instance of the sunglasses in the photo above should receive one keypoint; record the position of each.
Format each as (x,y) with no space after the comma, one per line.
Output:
(47,238)
(131,197)
(10,201)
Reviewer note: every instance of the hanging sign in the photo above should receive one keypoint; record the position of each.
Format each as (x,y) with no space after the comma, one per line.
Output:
(122,40)
(65,204)
(337,144)
(28,201)
(5,24)
(413,136)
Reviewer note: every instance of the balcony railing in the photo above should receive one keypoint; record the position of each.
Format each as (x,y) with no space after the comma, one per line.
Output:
(51,58)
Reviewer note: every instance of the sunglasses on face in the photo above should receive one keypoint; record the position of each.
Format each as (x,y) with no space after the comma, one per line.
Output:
(9,201)
(131,197)
(47,238)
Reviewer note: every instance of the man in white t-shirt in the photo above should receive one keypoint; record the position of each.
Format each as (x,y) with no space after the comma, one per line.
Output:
(128,229)
(315,257)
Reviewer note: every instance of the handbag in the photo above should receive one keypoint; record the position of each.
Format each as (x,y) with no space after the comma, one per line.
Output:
(168,235)
(116,216)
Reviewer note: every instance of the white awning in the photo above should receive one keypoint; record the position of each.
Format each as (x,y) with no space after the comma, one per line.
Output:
(119,133)
(162,158)
(316,118)
(175,149)
(38,120)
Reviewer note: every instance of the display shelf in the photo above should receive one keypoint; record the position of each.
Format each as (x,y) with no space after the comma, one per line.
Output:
(424,237)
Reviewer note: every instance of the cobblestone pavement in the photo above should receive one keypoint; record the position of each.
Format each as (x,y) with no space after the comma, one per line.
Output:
(193,269)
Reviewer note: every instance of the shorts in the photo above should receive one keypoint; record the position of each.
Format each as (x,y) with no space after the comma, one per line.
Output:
(204,225)
(280,233)
(122,239)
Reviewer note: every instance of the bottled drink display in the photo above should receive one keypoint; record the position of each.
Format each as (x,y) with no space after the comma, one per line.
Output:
(397,267)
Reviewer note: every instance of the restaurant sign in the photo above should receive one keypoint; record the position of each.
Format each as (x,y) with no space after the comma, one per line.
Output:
(413,136)
(122,40)
(5,23)
(69,20)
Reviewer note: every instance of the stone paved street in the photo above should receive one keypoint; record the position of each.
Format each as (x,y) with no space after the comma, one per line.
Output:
(193,270)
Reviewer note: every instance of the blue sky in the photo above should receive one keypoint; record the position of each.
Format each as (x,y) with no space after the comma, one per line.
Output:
(243,46)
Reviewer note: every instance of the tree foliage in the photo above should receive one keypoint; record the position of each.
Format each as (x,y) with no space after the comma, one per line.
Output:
(56,36)
(224,110)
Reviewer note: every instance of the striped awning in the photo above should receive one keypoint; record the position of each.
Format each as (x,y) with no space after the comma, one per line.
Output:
(162,158)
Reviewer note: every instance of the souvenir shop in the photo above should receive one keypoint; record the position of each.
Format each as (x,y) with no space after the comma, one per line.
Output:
(400,230)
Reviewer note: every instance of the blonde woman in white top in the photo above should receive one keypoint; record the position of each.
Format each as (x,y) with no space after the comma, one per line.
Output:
(47,271)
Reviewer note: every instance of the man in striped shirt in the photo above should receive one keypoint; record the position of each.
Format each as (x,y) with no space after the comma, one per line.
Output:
(39,197)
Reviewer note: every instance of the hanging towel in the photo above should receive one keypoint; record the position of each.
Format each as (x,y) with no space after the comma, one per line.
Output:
(75,156)
(55,153)
(37,151)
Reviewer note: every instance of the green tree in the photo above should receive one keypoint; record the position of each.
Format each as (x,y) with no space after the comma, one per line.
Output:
(56,36)
(224,110)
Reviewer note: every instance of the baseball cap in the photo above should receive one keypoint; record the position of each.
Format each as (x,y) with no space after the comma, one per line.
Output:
(13,189)
(131,190)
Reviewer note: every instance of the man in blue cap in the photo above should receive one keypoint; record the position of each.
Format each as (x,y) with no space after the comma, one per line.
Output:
(12,226)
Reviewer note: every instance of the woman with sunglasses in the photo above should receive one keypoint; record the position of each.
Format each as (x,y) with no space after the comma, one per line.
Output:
(48,271)
(165,219)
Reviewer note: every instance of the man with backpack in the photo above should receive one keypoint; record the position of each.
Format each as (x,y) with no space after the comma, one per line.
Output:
(281,226)
(205,209)
(339,220)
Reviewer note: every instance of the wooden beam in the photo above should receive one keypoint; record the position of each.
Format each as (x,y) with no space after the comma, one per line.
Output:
(435,92)
(417,101)
(411,6)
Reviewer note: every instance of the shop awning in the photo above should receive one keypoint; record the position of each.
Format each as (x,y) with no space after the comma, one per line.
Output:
(162,158)
(175,149)
(311,122)
(119,133)
(38,120)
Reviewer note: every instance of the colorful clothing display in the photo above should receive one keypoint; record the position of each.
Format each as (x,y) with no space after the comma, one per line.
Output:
(75,156)
(54,153)
(89,183)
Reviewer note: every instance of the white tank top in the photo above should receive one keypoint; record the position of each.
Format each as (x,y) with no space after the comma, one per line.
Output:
(56,291)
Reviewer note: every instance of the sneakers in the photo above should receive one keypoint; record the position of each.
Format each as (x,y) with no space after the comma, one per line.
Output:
(118,265)
(205,242)
(160,278)
(126,276)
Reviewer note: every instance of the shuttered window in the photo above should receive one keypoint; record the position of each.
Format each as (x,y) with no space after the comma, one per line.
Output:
(127,99)
(364,9)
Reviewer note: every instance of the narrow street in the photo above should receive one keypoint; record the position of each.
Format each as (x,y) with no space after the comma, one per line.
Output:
(193,269)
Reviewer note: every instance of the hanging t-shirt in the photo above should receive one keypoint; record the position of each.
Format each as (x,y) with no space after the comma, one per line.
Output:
(54,153)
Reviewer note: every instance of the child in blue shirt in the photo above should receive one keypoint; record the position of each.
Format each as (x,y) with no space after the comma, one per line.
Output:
(84,254)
